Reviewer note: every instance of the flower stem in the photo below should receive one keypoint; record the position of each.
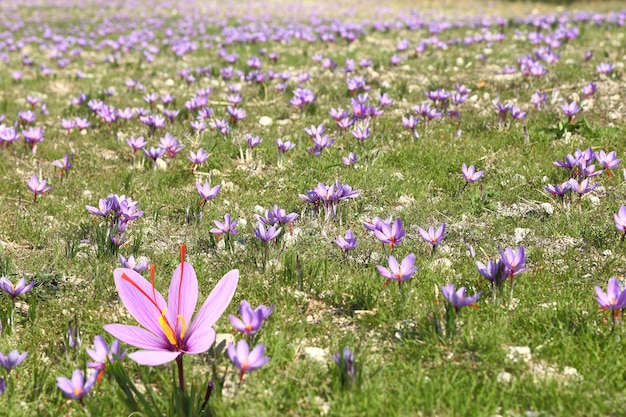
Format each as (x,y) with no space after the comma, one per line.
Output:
(181,375)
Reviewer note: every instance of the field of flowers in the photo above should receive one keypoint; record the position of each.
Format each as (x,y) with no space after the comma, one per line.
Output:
(337,209)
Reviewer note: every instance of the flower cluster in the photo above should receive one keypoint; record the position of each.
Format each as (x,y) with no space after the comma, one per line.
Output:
(119,211)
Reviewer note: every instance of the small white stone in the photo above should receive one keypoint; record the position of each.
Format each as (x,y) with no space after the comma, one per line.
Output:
(316,354)
(161,164)
(265,121)
(504,377)
(594,200)
(519,234)
(547,207)
(87,194)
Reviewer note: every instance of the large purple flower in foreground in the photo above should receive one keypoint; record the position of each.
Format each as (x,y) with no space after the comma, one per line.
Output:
(168,328)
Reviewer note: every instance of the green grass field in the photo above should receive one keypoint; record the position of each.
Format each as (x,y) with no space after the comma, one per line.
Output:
(548,350)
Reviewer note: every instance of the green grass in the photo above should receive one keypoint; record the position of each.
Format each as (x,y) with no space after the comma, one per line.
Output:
(408,366)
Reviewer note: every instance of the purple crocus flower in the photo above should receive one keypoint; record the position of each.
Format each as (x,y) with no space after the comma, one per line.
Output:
(348,242)
(589,89)
(154,154)
(470,174)
(284,146)
(266,235)
(77,387)
(228,227)
(246,360)
(132,263)
(12,359)
(604,68)
(390,234)
(609,161)
(492,272)
(582,187)
(346,363)
(37,186)
(251,319)
(103,209)
(402,272)
(351,159)
(614,298)
(102,354)
(168,328)
(63,164)
(457,298)
(557,189)
(206,192)
(33,136)
(514,263)
(620,220)
(570,110)
(432,236)
(136,143)
(198,158)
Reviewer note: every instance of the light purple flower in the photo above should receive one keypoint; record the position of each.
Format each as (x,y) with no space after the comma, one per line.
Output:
(168,328)
(457,298)
(132,263)
(432,236)
(206,192)
(12,359)
(228,227)
(348,242)
(102,354)
(402,272)
(77,387)
(620,219)
(246,360)
(390,234)
(614,298)
(251,319)
(470,174)
(37,186)
(266,235)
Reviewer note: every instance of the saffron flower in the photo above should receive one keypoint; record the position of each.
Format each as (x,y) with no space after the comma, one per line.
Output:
(12,360)
(206,192)
(346,363)
(400,273)
(15,289)
(228,227)
(609,161)
(246,360)
(620,220)
(614,298)
(432,236)
(514,262)
(102,354)
(348,242)
(470,174)
(390,234)
(63,164)
(77,387)
(251,319)
(266,235)
(37,186)
(169,330)
(457,298)
(131,263)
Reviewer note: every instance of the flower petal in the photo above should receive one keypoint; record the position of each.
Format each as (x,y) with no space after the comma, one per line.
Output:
(216,302)
(140,298)
(183,294)
(200,341)
(136,336)
(153,357)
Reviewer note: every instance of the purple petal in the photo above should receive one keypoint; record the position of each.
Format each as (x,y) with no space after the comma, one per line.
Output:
(216,302)
(183,294)
(153,357)
(136,336)
(141,300)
